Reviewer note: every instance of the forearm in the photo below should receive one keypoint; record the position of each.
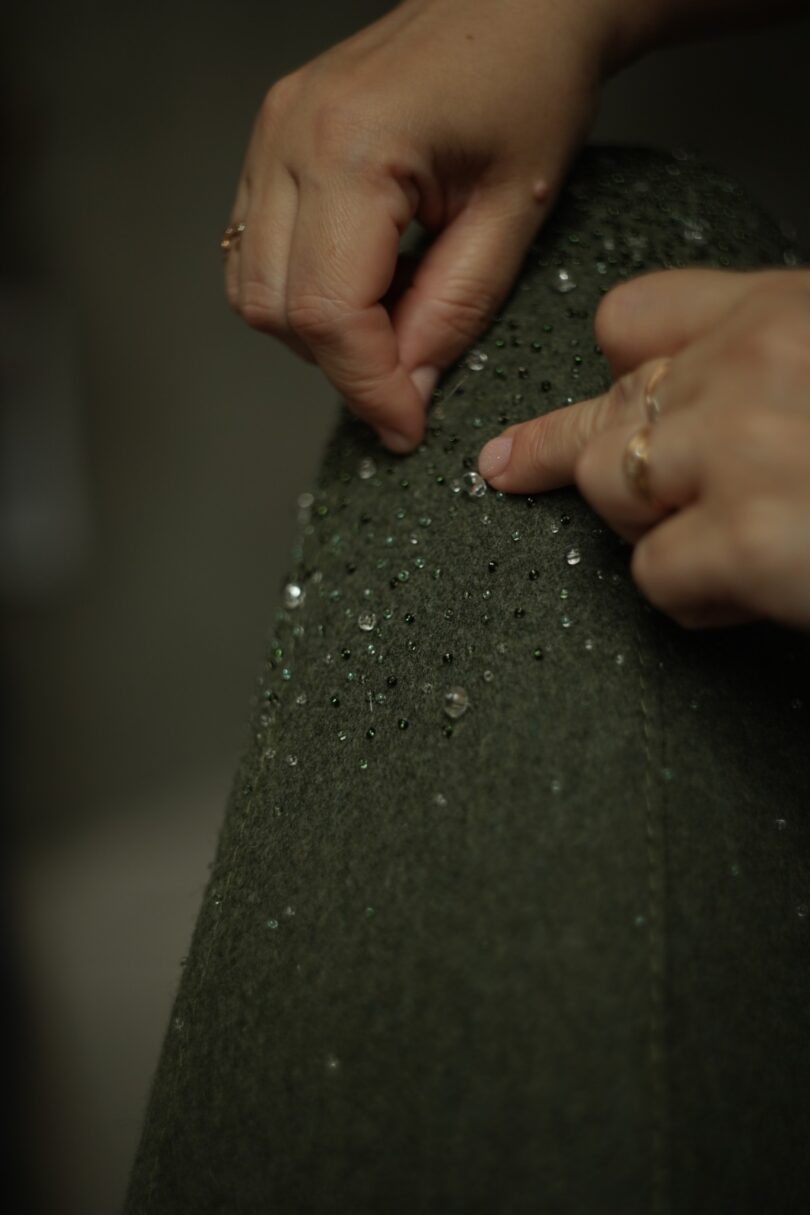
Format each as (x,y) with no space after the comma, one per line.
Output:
(652,24)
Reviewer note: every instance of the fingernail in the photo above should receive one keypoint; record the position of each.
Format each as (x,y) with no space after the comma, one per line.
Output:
(494,456)
(424,379)
(395,441)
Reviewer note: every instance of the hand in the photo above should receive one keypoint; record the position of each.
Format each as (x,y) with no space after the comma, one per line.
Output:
(729,455)
(456,113)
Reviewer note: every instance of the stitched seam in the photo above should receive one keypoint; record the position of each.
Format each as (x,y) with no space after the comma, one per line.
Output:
(654,835)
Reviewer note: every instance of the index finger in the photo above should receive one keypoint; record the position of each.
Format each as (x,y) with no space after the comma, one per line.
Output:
(342,260)
(542,454)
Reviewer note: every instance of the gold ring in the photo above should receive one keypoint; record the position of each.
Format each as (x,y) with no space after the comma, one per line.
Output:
(230,237)
(652,405)
(637,463)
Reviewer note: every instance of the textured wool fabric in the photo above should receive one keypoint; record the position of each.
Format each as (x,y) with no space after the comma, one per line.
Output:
(550,955)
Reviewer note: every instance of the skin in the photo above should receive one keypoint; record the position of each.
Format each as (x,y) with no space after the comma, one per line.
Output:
(346,152)
(468,125)
(727,539)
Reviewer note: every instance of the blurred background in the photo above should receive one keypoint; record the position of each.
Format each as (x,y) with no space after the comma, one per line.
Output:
(152,451)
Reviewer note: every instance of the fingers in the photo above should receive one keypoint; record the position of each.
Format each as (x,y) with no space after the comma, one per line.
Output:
(263,255)
(543,452)
(685,567)
(343,255)
(675,472)
(464,277)
(660,313)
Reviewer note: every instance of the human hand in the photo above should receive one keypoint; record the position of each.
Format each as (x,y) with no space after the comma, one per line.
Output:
(727,538)
(455,113)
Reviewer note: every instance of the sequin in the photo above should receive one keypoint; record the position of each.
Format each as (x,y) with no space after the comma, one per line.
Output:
(476,360)
(366,621)
(366,468)
(573,556)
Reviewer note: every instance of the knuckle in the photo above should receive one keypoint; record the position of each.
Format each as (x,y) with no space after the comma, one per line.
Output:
(623,395)
(642,564)
(259,307)
(753,533)
(464,309)
(584,422)
(648,565)
(586,474)
(276,103)
(537,445)
(610,321)
(232,294)
(313,317)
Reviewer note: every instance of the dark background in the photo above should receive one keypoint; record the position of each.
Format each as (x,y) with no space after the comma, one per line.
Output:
(152,451)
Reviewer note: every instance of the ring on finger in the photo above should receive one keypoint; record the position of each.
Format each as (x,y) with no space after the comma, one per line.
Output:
(652,403)
(636,466)
(230,237)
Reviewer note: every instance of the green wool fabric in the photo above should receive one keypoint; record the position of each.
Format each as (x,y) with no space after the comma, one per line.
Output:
(548,956)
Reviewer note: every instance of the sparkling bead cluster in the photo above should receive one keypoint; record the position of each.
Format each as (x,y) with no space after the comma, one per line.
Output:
(380,529)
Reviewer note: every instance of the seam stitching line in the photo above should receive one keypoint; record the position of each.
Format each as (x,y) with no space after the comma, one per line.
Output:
(654,833)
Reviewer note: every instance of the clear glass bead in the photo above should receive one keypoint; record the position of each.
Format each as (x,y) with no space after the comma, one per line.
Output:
(294,595)
(456,702)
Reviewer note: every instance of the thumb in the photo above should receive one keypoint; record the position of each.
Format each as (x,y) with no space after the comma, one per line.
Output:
(463,278)
(660,313)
